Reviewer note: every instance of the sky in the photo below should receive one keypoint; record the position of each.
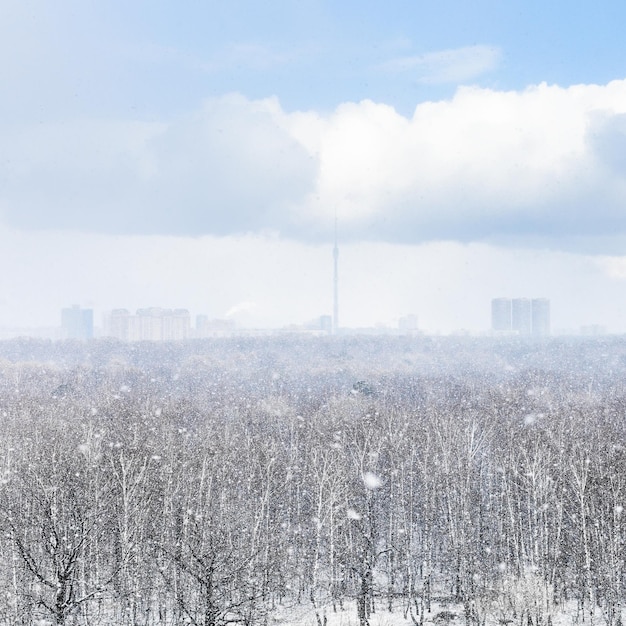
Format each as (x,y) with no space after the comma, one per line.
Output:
(197,154)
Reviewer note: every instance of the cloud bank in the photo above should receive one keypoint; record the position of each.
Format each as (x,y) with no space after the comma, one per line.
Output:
(228,167)
(540,166)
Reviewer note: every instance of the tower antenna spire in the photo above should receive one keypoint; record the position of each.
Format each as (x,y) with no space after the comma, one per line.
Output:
(335,282)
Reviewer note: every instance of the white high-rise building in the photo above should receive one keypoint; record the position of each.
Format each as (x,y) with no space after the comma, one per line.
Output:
(501,315)
(541,317)
(522,316)
(77,323)
(149,324)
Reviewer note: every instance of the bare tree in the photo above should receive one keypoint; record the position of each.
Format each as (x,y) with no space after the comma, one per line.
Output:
(53,523)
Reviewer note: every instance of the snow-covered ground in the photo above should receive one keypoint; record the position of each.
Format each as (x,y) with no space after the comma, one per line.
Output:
(441,614)
(306,616)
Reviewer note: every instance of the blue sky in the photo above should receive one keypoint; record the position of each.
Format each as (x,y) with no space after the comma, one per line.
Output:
(440,132)
(161,58)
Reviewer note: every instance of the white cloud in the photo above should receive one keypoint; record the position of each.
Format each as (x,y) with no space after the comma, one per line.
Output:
(486,165)
(228,167)
(457,65)
(540,166)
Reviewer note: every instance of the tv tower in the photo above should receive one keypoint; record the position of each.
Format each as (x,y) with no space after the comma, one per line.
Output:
(336,282)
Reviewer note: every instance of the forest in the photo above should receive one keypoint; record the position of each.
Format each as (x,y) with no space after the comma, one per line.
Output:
(230,481)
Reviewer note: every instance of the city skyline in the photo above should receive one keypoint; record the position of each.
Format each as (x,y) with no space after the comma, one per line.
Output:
(509,316)
(523,316)
(379,284)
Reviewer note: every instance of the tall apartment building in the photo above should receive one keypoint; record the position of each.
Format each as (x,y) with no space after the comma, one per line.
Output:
(118,324)
(77,323)
(522,316)
(541,317)
(501,314)
(149,324)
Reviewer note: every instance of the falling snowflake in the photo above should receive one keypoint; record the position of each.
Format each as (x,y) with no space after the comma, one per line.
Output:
(371,481)
(352,514)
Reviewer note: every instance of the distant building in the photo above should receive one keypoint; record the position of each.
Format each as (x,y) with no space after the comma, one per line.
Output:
(206,327)
(77,323)
(541,317)
(407,323)
(149,324)
(178,325)
(202,322)
(326,323)
(521,316)
(501,314)
(118,324)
